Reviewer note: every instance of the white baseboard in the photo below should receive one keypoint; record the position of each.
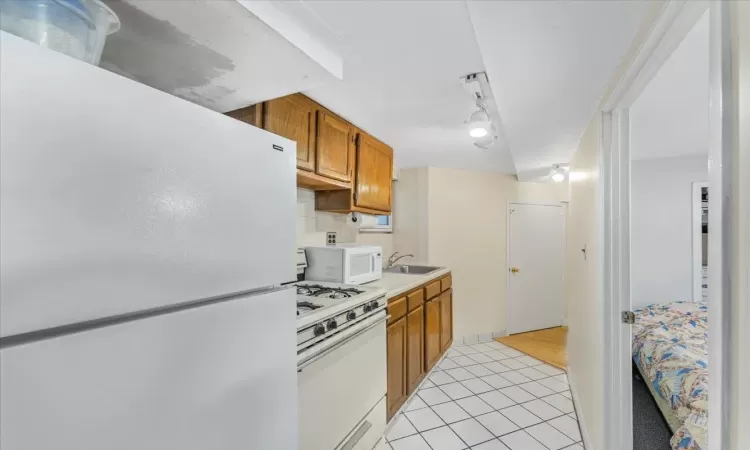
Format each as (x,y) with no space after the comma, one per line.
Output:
(565,322)
(579,412)
(469,339)
(485,337)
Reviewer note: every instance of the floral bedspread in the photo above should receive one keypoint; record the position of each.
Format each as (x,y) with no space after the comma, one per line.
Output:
(671,348)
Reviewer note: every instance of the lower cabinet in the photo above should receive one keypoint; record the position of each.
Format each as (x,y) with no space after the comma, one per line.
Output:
(419,331)
(446,319)
(432,329)
(414,348)
(396,361)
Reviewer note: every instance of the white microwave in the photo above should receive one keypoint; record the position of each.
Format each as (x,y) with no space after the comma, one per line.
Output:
(344,263)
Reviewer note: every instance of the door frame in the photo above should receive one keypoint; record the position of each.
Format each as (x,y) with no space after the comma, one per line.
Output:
(675,19)
(510,203)
(697,238)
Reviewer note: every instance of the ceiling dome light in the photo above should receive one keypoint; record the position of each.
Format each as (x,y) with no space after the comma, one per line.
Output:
(557,174)
(479,123)
(489,139)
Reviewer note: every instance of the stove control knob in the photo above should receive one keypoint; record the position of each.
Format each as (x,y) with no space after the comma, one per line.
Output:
(367,307)
(374,305)
(320,329)
(351,315)
(332,324)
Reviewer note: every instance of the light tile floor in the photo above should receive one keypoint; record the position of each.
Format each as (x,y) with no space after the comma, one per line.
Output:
(488,397)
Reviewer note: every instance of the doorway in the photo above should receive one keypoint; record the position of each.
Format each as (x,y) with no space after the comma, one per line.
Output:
(629,355)
(700,242)
(535,294)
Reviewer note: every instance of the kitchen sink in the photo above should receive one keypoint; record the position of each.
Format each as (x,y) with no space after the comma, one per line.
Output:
(411,269)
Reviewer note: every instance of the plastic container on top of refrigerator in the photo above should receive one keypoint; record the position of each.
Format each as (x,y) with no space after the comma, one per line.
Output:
(77,28)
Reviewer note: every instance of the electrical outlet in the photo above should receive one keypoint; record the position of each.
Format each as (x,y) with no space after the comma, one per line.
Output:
(331,238)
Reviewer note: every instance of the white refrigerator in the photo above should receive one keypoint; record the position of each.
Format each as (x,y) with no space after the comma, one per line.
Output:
(143,244)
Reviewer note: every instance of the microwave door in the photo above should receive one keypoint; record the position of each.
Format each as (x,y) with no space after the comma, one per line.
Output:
(362,268)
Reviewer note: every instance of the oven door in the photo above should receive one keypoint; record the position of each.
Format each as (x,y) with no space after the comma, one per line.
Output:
(340,389)
(362,266)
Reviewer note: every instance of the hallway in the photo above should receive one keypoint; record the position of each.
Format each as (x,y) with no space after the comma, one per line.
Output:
(488,397)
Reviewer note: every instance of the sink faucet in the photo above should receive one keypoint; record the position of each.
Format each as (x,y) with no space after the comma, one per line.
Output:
(393,259)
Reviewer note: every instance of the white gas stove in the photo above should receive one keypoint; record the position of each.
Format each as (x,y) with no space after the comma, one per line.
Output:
(326,309)
(341,365)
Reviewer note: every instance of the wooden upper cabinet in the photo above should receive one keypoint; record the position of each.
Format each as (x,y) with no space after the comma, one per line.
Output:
(293,117)
(334,149)
(374,174)
(350,170)
(251,114)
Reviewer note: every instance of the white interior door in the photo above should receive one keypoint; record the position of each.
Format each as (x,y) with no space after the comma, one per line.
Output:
(535,267)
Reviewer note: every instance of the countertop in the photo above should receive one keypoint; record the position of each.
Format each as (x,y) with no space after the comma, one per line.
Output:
(398,283)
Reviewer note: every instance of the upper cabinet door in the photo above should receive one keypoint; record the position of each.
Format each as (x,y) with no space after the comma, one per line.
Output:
(335,160)
(374,174)
(251,114)
(293,117)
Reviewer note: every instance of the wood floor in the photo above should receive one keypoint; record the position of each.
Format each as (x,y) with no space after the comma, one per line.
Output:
(548,345)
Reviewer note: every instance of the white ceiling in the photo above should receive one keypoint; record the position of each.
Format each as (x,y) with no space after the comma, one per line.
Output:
(549,62)
(670,117)
(208,51)
(402,63)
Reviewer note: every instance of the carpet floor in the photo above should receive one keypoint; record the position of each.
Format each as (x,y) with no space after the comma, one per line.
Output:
(650,430)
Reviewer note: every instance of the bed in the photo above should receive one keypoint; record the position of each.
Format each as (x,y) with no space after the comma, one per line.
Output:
(670,349)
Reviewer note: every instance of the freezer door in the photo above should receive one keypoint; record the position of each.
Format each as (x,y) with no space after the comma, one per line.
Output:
(220,377)
(116,197)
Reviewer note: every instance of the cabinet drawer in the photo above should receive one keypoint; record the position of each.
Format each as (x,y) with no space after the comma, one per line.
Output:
(415,299)
(446,283)
(396,309)
(432,290)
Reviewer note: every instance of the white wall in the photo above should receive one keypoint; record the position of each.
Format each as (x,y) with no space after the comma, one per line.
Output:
(457,218)
(583,288)
(583,276)
(670,116)
(661,230)
(410,213)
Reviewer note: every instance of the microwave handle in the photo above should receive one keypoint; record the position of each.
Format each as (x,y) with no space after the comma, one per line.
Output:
(377,262)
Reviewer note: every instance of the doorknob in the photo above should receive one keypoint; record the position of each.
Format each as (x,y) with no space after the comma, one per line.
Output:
(515,269)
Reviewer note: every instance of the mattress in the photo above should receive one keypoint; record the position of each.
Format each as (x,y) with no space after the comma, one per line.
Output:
(670,349)
(666,410)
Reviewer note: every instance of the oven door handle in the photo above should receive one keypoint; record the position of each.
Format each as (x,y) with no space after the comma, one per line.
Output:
(339,344)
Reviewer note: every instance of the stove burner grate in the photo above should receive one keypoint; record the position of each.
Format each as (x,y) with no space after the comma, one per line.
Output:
(317,290)
(307,306)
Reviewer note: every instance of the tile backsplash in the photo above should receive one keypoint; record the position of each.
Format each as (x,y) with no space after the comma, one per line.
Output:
(312,226)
